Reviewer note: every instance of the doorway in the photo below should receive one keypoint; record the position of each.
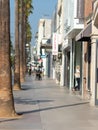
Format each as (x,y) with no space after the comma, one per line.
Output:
(67,69)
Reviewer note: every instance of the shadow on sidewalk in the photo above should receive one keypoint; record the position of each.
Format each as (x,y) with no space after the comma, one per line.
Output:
(30,101)
(7,120)
(56,107)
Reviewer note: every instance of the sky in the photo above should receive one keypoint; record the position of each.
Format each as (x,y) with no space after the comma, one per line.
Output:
(42,9)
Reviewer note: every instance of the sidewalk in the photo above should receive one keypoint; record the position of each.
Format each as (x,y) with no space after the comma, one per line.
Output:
(46,106)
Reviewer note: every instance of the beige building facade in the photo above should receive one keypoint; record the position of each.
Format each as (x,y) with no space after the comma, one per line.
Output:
(88,38)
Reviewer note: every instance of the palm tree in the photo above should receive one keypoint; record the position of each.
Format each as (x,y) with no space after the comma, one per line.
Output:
(28,10)
(6,96)
(17,85)
(22,11)
(22,41)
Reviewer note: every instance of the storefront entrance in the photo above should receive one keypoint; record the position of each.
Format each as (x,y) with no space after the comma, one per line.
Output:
(67,69)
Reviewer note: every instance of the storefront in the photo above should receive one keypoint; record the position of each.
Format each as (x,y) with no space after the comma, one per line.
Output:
(66,64)
(89,38)
(84,39)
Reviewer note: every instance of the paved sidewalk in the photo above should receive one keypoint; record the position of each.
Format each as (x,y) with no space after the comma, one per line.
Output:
(46,106)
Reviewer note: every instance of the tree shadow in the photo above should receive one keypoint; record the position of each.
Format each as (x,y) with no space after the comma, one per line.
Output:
(43,109)
(56,107)
(26,87)
(7,120)
(29,101)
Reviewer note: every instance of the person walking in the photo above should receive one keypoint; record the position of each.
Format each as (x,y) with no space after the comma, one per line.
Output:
(77,78)
(30,70)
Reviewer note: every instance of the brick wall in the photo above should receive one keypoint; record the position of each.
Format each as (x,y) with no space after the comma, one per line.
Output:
(87,7)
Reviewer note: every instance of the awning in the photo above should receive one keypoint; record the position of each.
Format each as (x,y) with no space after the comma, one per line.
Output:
(84,35)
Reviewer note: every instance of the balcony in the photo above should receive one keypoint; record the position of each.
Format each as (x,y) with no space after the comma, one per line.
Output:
(95,15)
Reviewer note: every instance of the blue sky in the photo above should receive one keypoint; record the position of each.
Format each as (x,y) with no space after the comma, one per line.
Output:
(42,9)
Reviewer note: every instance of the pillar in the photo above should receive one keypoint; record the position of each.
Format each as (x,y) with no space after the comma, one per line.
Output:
(62,71)
(93,70)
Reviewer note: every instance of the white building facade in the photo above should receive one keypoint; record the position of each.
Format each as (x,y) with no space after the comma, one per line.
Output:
(73,24)
(44,41)
(69,22)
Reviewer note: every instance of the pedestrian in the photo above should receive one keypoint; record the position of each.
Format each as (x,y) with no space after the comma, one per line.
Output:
(38,73)
(30,70)
(77,78)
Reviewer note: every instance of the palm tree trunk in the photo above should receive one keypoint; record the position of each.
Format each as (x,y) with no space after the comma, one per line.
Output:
(24,37)
(22,72)
(6,96)
(17,85)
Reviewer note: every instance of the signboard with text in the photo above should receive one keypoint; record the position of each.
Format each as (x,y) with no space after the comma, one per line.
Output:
(55,44)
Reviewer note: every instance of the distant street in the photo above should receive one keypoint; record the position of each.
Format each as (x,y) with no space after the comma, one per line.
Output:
(47,106)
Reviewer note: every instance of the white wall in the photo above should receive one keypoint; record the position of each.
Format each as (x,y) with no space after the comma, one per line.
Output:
(40,35)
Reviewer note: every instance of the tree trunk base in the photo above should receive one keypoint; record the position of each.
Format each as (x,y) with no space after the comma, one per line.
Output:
(16,87)
(11,116)
(22,80)
(7,114)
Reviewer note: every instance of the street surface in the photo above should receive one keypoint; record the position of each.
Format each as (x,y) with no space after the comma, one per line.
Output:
(46,106)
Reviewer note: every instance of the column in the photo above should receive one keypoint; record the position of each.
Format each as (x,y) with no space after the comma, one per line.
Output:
(93,70)
(62,71)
